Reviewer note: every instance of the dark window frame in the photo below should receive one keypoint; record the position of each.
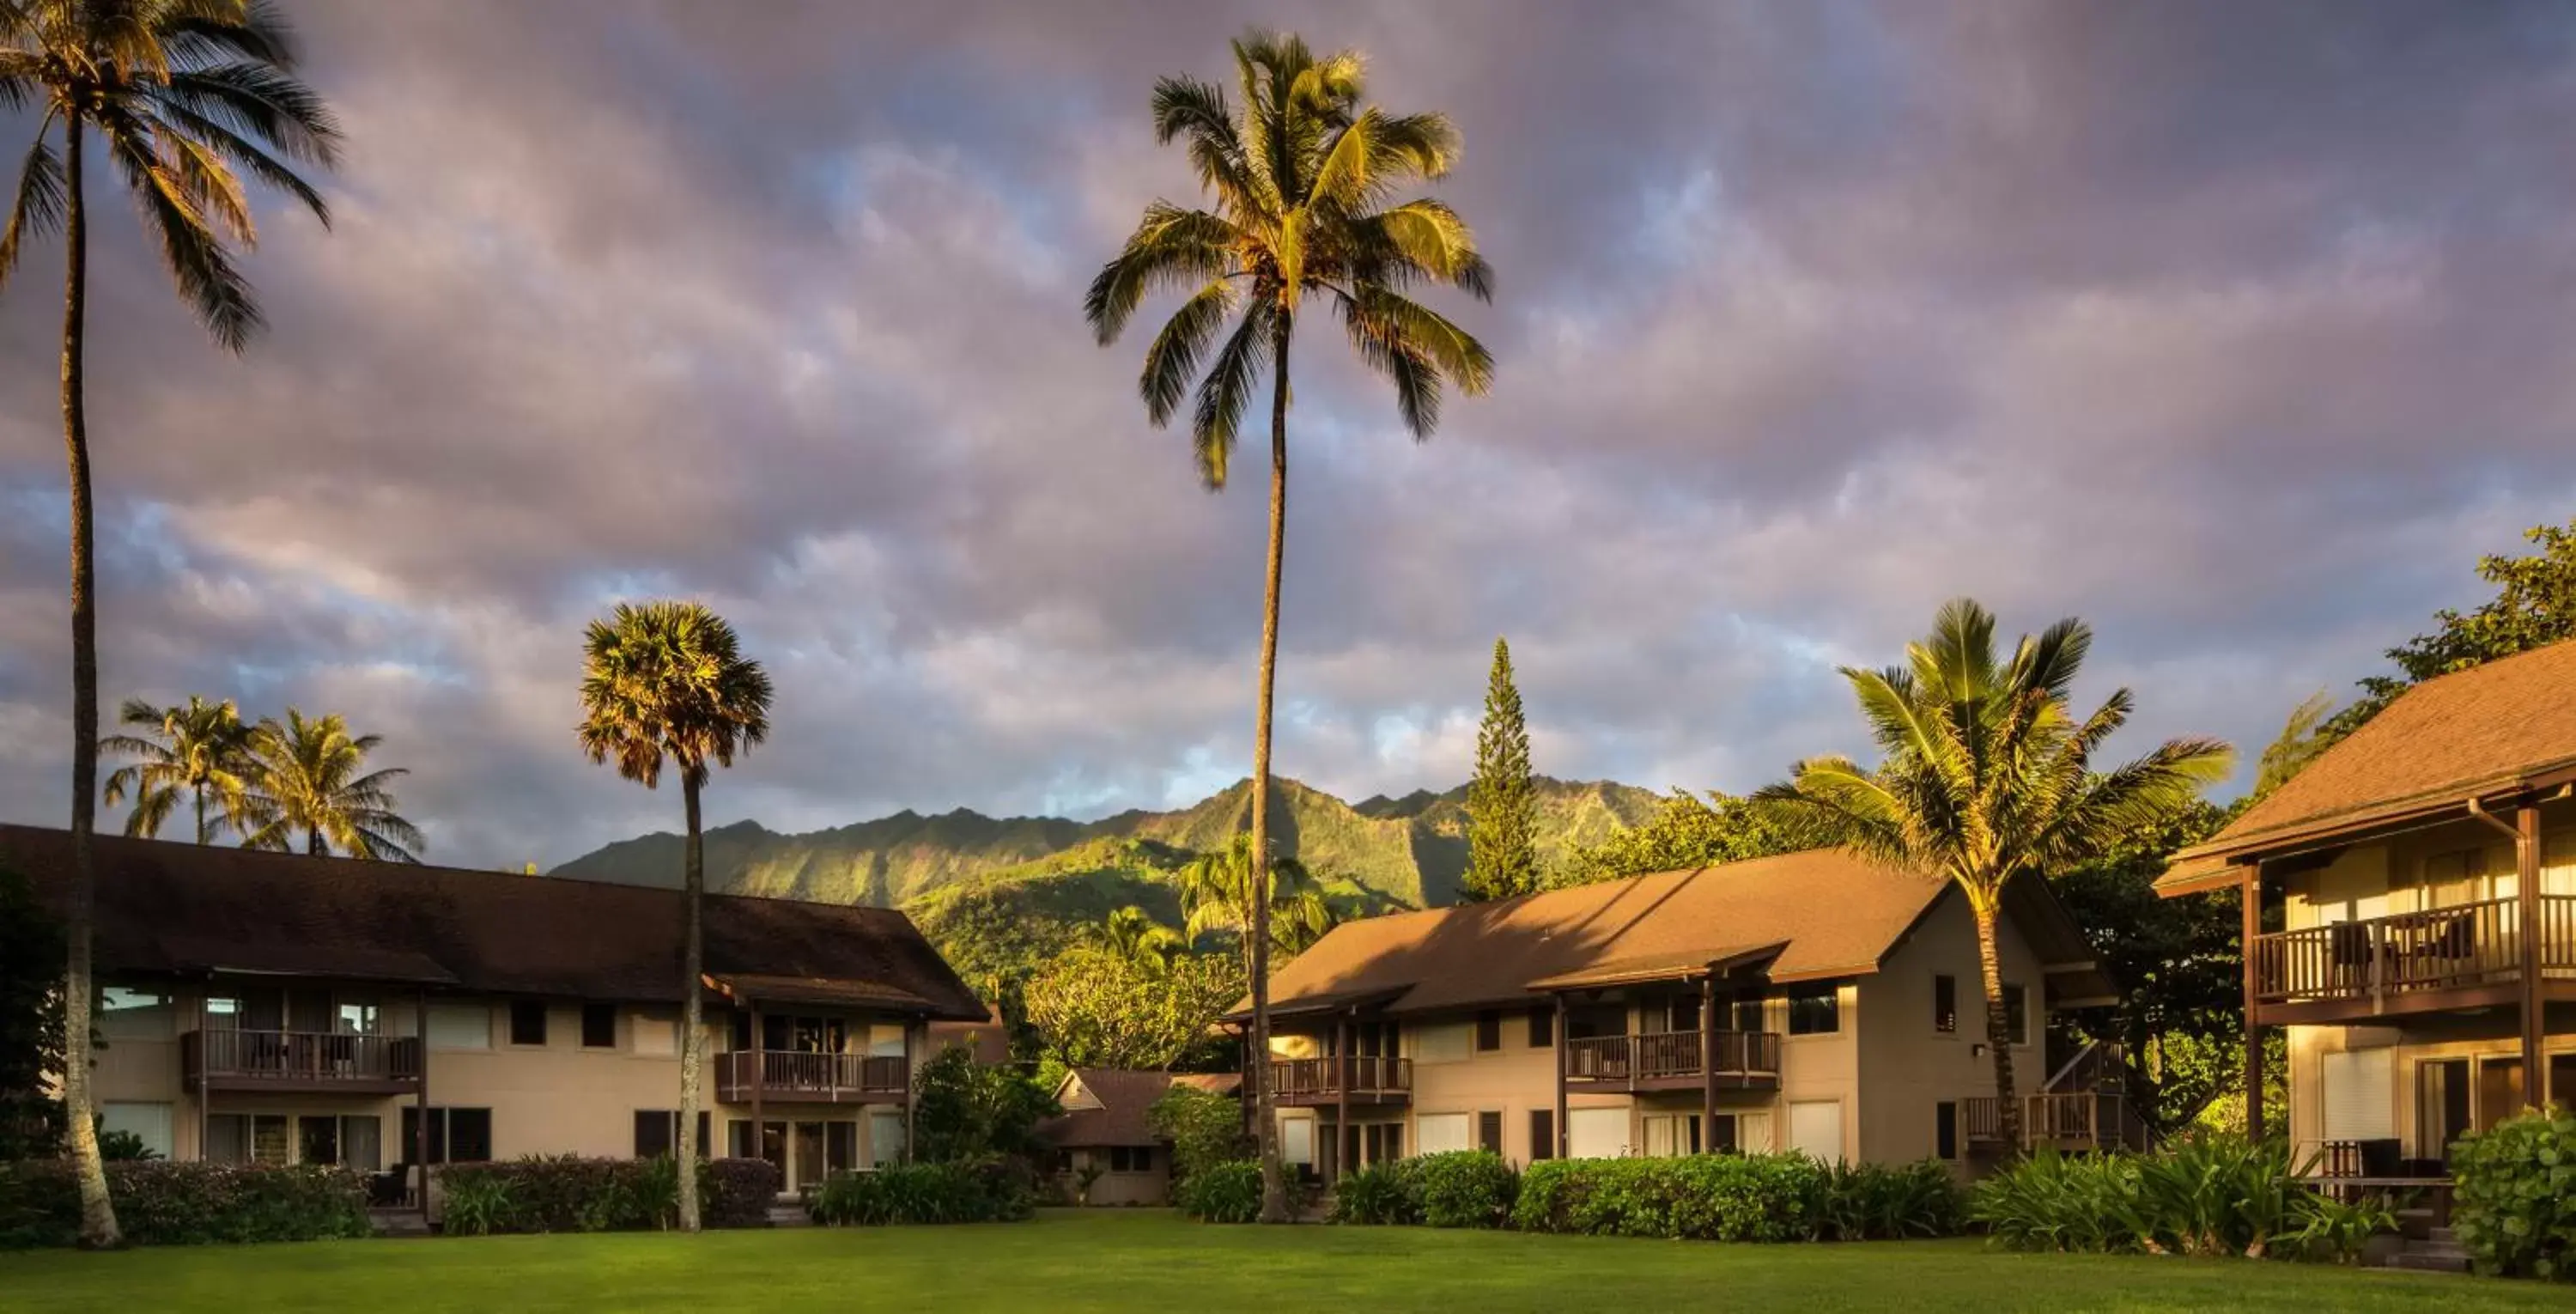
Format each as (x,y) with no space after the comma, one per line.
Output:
(1808,1003)
(1945,1131)
(2017,1013)
(1489,1030)
(1542,1130)
(1945,1003)
(1542,1026)
(599,1026)
(1489,1130)
(449,1129)
(527,1015)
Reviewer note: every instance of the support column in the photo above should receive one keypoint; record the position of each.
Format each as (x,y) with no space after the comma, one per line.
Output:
(2535,1056)
(1562,1138)
(1707,1061)
(205,1088)
(759,1079)
(907,1090)
(420,1099)
(1344,1066)
(2253,901)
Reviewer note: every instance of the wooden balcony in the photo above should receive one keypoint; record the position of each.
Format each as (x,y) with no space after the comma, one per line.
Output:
(2069,1120)
(1670,1060)
(792,1077)
(2467,956)
(1336,1079)
(299,1062)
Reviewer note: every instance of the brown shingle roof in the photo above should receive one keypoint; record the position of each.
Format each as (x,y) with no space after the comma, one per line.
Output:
(182,908)
(1123,1097)
(2474,732)
(1828,914)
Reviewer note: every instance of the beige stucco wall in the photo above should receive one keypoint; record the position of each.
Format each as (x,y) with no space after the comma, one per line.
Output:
(1907,1067)
(1116,1188)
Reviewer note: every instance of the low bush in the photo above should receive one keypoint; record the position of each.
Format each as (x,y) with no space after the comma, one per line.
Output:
(2516,1196)
(1738,1197)
(738,1192)
(1381,1194)
(1867,1202)
(1222,1193)
(568,1193)
(992,1190)
(159,1203)
(2202,1194)
(1204,1128)
(1466,1188)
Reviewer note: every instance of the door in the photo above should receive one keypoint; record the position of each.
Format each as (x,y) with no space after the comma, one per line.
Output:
(1596,1133)
(2499,1090)
(808,1164)
(318,1140)
(2441,1106)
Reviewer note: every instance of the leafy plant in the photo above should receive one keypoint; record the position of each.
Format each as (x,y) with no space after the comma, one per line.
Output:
(1731,1197)
(991,1190)
(2203,1193)
(122,1146)
(1222,1193)
(2338,1230)
(965,1112)
(1086,1177)
(161,1203)
(478,1203)
(1466,1188)
(1387,1193)
(2515,1205)
(1205,1128)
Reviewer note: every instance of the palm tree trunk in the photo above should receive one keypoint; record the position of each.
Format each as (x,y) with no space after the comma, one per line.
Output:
(202,837)
(313,842)
(693,884)
(1274,1177)
(1999,1036)
(98,1215)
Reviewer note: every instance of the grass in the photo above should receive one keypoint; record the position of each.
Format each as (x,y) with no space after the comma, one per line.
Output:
(1139,1260)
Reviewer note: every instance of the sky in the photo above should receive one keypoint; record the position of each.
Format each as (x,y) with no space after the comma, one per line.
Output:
(2239,331)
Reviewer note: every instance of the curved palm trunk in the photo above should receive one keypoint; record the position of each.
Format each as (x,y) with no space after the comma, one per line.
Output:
(1999,1036)
(693,884)
(202,837)
(98,1215)
(1274,1179)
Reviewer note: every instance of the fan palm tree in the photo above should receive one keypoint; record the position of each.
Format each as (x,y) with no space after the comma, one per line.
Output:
(1301,175)
(193,751)
(1132,933)
(184,97)
(1986,775)
(1220,891)
(667,680)
(309,778)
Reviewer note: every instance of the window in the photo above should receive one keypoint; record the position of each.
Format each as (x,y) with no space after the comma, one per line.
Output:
(1542,1026)
(1440,1133)
(148,1123)
(455,1135)
(1596,1133)
(2360,1095)
(840,1146)
(1945,1130)
(1131,1158)
(1442,1042)
(1748,1015)
(885,1137)
(1542,1134)
(527,1022)
(657,1133)
(460,1026)
(1681,1013)
(599,1026)
(360,1020)
(1816,1129)
(1722,1136)
(1489,1031)
(657,1036)
(1297,1141)
(1670,1135)
(1489,1131)
(136,1014)
(246,1138)
(1945,1006)
(2017,1014)
(1815,1010)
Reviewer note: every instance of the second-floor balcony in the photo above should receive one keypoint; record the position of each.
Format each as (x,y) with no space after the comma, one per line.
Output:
(1341,1078)
(299,1062)
(1673,1060)
(796,1077)
(2068,1120)
(2410,962)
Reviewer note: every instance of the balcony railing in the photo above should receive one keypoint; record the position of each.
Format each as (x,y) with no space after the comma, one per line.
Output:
(1670,1055)
(2074,1119)
(1367,1076)
(795,1075)
(2472,944)
(288,1058)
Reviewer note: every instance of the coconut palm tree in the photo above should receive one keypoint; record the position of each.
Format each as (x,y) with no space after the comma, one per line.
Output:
(1219,893)
(308,778)
(1132,933)
(1301,174)
(184,97)
(191,751)
(1986,775)
(667,680)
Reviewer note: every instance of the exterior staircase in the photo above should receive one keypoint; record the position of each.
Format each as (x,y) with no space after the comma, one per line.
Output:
(2427,1248)
(397,1221)
(790,1211)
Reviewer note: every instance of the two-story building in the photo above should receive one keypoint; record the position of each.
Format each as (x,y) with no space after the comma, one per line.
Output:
(1812,1002)
(281,1008)
(2409,914)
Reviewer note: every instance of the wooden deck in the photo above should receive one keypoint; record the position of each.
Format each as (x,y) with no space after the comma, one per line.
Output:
(299,1062)
(1671,1060)
(2466,956)
(1336,1079)
(795,1077)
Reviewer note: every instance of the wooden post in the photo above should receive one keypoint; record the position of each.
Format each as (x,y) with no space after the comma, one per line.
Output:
(2535,1059)
(907,1090)
(760,1078)
(1341,1097)
(420,1099)
(1562,1139)
(1708,1060)
(2253,900)
(205,1088)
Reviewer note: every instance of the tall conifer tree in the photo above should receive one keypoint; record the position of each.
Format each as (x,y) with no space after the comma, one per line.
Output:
(1502,806)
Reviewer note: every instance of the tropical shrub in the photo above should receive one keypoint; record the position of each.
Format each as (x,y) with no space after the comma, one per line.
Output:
(737,1192)
(1381,1194)
(160,1203)
(2515,1206)
(568,1193)
(2206,1193)
(1222,1193)
(1865,1202)
(990,1190)
(1731,1197)
(1204,1128)
(968,1112)
(1466,1188)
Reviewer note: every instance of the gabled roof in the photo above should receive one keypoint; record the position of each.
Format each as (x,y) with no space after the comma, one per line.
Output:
(2505,726)
(170,908)
(1804,916)
(1106,1106)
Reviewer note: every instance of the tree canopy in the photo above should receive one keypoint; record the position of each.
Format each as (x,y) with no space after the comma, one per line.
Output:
(1502,803)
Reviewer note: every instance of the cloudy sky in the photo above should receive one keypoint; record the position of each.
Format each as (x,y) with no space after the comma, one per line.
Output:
(2241,331)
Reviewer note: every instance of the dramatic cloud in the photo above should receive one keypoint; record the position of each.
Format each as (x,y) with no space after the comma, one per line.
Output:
(2240,334)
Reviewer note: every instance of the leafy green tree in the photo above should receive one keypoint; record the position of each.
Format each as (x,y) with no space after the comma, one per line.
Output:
(188,752)
(963,1111)
(1133,934)
(31,1022)
(2534,606)
(2304,738)
(1223,892)
(1205,1128)
(1093,1008)
(309,778)
(1502,804)
(1986,775)
(668,681)
(1301,173)
(1686,833)
(184,97)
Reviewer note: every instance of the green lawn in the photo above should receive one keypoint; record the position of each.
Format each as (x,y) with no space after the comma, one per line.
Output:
(1153,1261)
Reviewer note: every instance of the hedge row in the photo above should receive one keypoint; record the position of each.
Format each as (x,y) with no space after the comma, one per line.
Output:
(983,1191)
(1709,1197)
(160,1203)
(568,1193)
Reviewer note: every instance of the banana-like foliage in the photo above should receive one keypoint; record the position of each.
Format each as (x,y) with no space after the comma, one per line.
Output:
(1132,934)
(192,753)
(1986,775)
(1216,899)
(307,778)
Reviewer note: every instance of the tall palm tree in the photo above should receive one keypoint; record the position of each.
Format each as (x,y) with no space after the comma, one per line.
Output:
(1986,775)
(309,778)
(195,750)
(1221,891)
(185,97)
(1301,174)
(668,680)
(1132,933)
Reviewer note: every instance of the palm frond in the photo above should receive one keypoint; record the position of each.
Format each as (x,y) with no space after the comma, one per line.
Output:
(38,209)
(196,258)
(1173,359)
(1227,390)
